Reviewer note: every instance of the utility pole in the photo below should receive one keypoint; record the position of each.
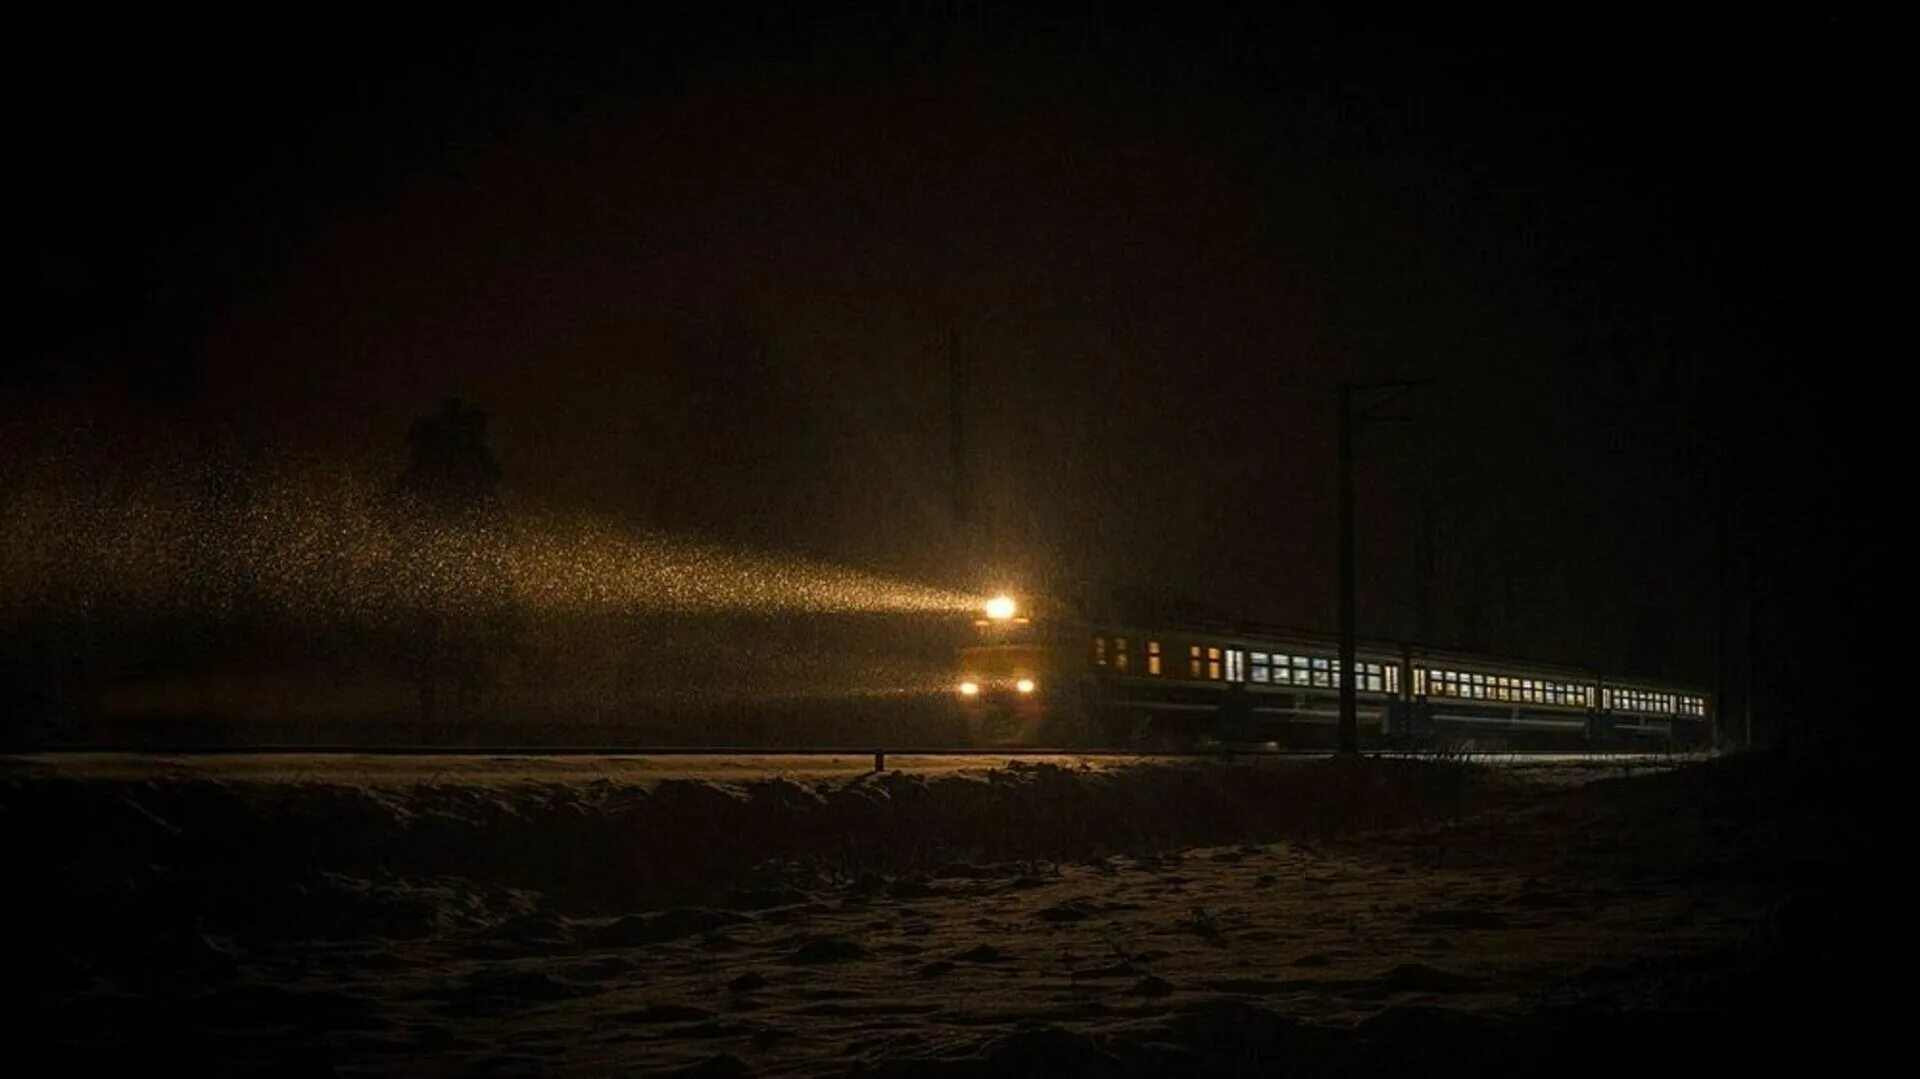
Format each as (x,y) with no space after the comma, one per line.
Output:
(1753,656)
(1383,395)
(957,431)
(1424,559)
(1349,730)
(969,546)
(1722,652)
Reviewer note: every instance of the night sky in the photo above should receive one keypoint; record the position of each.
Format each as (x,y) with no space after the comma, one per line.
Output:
(704,273)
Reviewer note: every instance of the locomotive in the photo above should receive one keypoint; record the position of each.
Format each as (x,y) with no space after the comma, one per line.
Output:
(1055,676)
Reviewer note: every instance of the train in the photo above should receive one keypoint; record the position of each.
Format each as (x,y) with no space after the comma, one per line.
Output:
(1055,676)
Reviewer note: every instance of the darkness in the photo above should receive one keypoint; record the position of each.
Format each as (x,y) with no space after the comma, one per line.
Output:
(429,434)
(703,268)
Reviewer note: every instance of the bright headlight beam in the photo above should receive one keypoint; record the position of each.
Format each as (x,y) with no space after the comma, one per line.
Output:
(1001,608)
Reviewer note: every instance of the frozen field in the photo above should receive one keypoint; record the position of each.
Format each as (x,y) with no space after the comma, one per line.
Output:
(493,769)
(964,915)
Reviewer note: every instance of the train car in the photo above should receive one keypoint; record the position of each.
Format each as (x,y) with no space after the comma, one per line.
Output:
(1457,699)
(1053,676)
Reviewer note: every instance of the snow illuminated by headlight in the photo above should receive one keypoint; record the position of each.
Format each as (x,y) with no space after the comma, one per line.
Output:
(330,546)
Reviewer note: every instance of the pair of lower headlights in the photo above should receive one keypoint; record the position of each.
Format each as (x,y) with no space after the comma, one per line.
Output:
(972,689)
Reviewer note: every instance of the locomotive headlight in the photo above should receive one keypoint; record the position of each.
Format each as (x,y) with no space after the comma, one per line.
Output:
(1000,608)
(1025,685)
(969,689)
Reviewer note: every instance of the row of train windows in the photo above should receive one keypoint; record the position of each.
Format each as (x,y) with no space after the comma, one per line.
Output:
(1641,700)
(1284,670)
(1280,669)
(1466,685)
(1114,651)
(1489,687)
(1265,668)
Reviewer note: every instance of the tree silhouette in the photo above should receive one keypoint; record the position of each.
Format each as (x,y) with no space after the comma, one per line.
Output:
(453,474)
(451,533)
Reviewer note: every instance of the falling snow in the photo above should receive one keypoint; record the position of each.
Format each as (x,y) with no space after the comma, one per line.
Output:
(332,547)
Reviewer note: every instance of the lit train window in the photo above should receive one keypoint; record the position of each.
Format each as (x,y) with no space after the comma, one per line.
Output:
(1259,667)
(1282,669)
(1153,657)
(1393,679)
(1371,678)
(1213,664)
(1119,653)
(1320,672)
(1193,660)
(1099,651)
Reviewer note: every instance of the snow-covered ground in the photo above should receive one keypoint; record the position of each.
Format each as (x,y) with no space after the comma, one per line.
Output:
(496,769)
(961,916)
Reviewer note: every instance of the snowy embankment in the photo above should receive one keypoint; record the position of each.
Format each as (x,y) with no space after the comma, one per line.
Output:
(1346,917)
(596,845)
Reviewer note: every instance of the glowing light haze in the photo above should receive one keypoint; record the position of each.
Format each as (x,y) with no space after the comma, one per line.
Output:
(330,547)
